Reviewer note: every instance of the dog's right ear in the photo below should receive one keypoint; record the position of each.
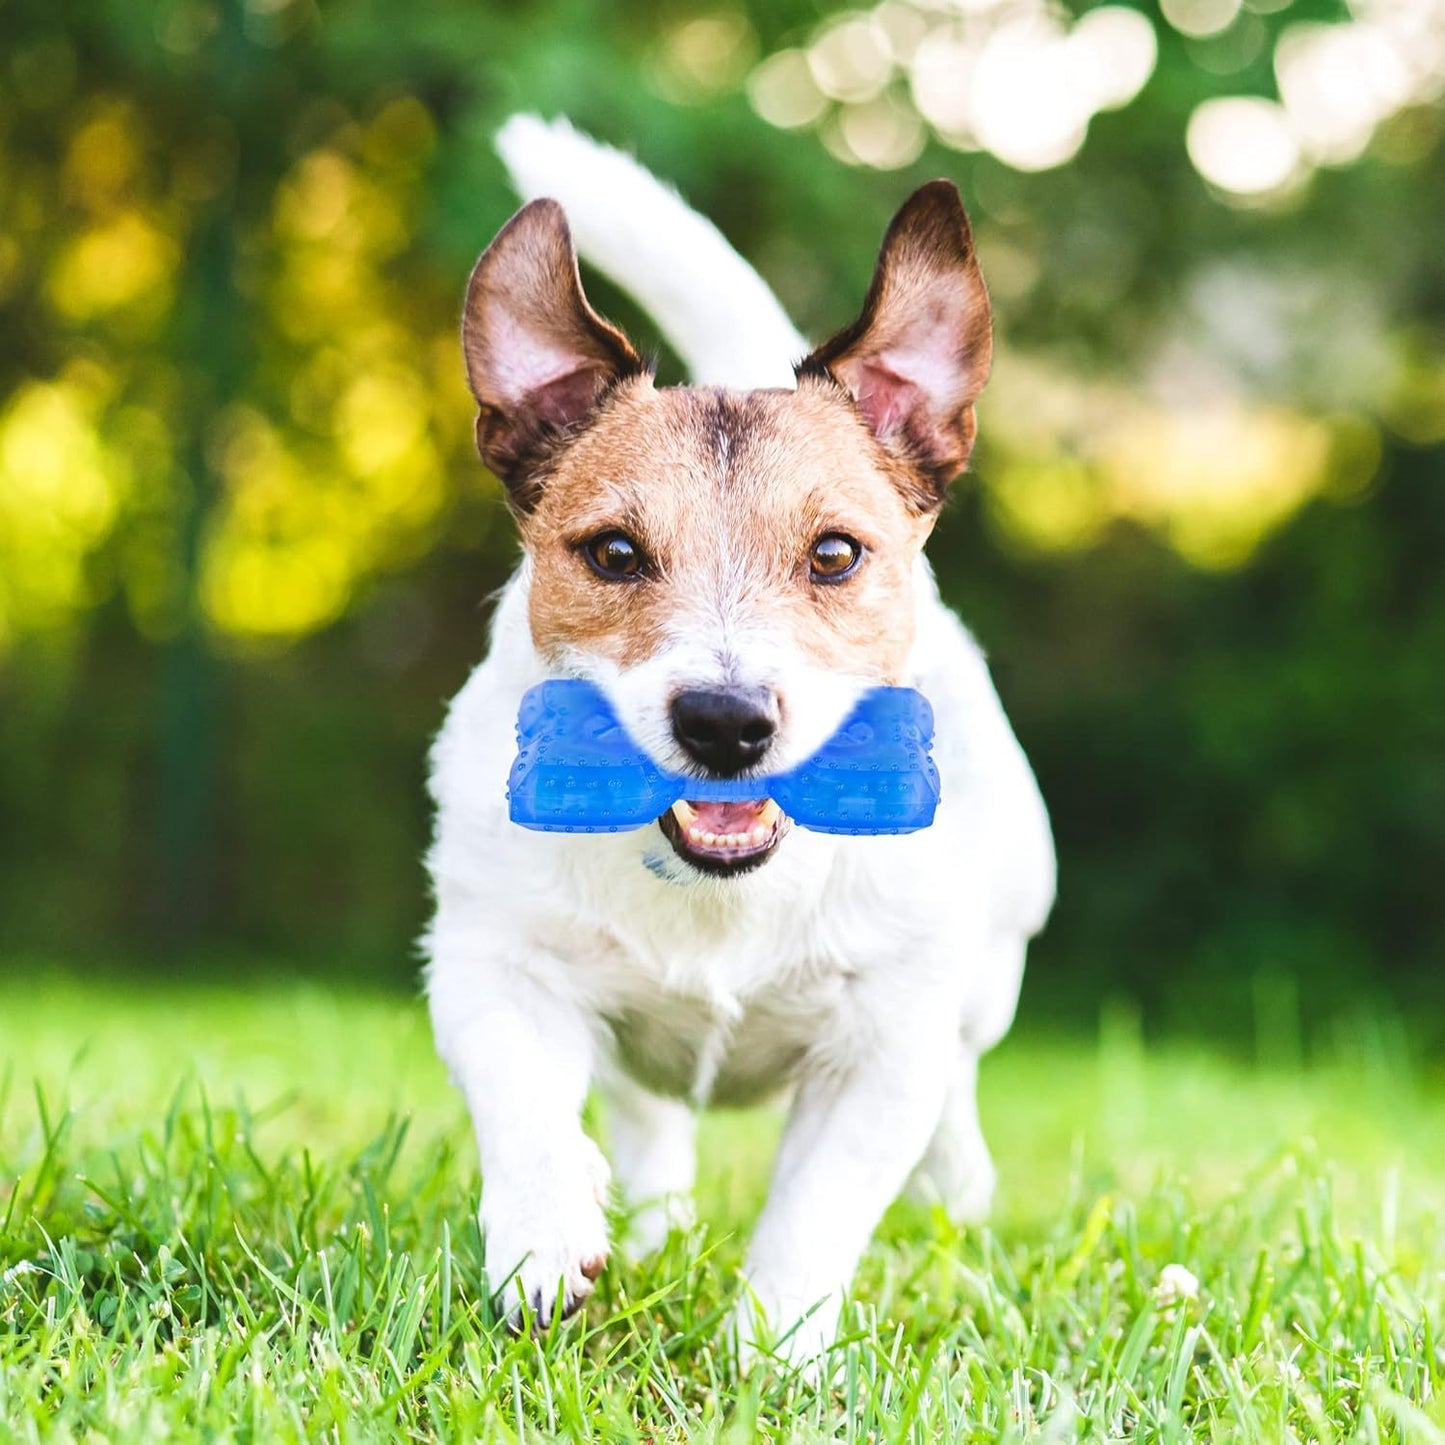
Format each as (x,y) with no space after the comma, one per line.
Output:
(538,356)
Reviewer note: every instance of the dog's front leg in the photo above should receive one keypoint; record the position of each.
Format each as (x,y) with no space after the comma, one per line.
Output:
(522,1055)
(855,1132)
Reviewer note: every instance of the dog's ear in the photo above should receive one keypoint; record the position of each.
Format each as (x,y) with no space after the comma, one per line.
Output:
(538,356)
(918,356)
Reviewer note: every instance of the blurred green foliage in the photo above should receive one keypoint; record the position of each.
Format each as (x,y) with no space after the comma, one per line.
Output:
(244,543)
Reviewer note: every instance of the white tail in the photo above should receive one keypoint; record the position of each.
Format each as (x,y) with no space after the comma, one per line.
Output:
(715,311)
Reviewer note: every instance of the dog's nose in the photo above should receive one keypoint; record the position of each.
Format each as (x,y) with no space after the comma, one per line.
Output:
(726,729)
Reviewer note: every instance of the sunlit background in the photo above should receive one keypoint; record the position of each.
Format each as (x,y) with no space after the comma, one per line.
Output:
(245,544)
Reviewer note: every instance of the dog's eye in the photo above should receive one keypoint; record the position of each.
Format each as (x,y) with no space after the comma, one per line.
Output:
(615,556)
(834,557)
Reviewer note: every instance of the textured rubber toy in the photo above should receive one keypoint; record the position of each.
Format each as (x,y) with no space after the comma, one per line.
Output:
(578,771)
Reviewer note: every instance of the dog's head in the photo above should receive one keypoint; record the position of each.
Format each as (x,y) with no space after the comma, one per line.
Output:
(733,567)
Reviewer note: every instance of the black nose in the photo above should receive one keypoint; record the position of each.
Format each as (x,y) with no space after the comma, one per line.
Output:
(726,729)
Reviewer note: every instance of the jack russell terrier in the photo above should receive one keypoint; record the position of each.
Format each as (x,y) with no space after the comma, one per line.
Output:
(733,564)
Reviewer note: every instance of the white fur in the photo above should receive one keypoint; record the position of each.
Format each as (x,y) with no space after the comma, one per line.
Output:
(716,312)
(865,974)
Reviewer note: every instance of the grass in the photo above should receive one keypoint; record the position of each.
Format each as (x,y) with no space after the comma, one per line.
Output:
(236,1215)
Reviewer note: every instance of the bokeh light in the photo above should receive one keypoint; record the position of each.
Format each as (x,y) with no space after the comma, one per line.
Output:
(61,489)
(1016,80)
(1338,82)
(1215,476)
(703,57)
(882,133)
(1243,145)
(1118,49)
(1200,18)
(1030,96)
(1022,81)
(851,59)
(783,91)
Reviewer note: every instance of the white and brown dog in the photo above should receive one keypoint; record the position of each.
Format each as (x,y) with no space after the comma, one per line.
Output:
(733,567)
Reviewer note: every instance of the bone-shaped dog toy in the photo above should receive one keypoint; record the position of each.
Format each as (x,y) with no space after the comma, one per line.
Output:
(578,771)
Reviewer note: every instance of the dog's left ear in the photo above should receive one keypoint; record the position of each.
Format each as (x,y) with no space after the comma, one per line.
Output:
(918,356)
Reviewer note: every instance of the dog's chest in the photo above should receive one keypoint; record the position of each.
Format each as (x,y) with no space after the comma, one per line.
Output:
(719,997)
(725,1049)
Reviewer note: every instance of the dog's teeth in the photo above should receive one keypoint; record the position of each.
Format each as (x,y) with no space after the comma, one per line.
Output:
(754,837)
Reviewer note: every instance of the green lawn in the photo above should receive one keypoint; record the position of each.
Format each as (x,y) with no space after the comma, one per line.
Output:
(234,1214)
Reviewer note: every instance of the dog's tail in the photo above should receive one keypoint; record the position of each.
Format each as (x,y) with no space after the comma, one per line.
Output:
(715,311)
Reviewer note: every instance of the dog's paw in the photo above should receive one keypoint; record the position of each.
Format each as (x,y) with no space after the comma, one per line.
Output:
(546,1236)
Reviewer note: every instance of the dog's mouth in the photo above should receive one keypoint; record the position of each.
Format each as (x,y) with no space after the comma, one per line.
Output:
(724,837)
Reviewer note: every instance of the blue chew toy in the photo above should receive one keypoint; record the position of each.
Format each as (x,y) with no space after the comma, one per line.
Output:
(577,770)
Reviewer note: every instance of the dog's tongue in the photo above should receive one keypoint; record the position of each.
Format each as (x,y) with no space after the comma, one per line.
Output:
(728,817)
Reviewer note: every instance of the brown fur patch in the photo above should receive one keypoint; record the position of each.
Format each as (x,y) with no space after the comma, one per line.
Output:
(727,493)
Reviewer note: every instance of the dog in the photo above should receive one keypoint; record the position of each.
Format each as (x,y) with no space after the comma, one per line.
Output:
(733,565)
